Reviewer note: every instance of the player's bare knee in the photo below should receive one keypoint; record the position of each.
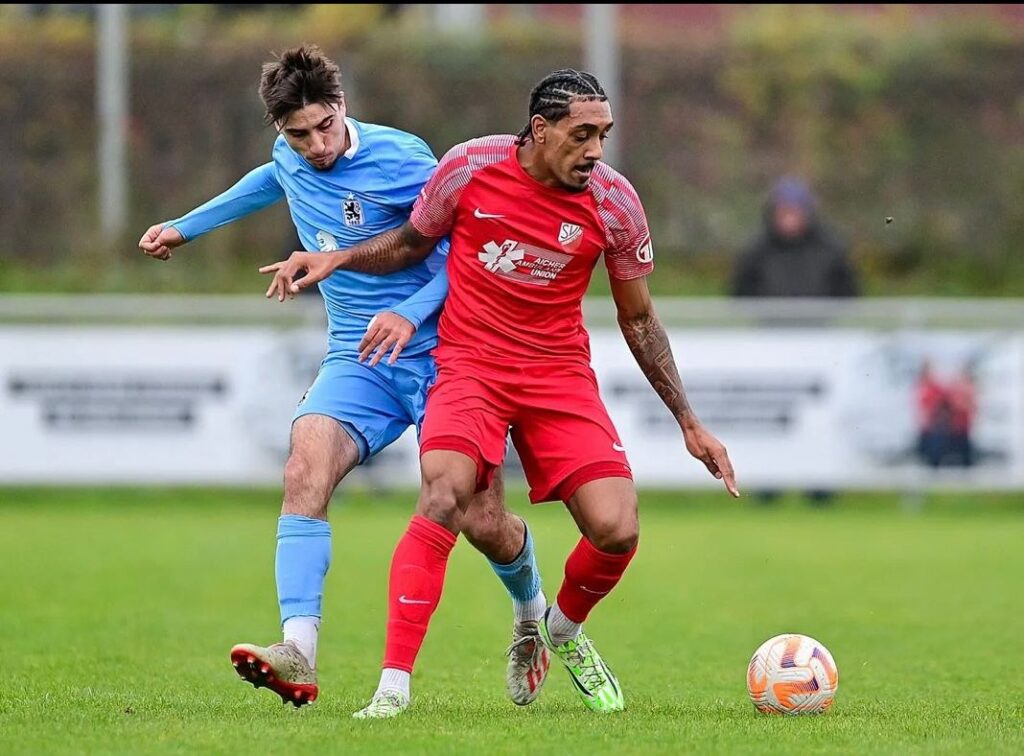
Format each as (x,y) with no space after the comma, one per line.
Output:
(304,492)
(618,540)
(297,472)
(439,501)
(615,530)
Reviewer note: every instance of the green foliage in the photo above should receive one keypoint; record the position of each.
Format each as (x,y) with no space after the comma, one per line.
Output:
(887,114)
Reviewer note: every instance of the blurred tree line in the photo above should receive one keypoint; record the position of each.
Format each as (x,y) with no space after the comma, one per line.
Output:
(885,115)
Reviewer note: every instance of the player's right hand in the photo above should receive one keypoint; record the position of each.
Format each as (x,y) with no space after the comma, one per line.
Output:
(159,241)
(316,265)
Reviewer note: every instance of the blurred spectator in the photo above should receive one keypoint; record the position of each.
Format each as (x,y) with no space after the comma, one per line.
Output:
(795,255)
(945,413)
(964,406)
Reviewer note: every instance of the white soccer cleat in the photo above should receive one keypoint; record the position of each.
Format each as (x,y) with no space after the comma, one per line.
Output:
(385,704)
(528,663)
(281,667)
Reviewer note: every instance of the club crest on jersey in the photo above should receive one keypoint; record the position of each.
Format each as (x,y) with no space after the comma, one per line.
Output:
(569,235)
(352,211)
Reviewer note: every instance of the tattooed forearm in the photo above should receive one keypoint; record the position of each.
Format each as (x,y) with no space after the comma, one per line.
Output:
(649,344)
(388,252)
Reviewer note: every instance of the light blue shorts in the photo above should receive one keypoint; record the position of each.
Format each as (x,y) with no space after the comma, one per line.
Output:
(375,405)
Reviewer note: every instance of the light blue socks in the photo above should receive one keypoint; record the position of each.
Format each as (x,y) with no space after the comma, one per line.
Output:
(303,556)
(521,578)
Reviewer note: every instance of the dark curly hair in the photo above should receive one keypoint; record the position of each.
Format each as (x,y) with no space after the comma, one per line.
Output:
(298,77)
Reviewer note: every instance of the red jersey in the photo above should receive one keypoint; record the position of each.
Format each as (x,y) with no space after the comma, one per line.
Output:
(522,253)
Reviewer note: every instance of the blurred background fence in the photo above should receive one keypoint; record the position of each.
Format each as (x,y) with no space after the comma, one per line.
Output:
(909,112)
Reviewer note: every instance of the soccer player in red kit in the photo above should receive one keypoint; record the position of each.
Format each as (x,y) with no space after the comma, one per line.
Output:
(528,216)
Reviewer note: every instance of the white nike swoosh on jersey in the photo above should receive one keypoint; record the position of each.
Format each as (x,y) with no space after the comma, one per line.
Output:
(596,593)
(403,600)
(481,214)
(616,447)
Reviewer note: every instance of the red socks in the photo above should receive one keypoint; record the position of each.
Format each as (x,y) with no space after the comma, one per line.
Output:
(589,576)
(415,585)
(417,579)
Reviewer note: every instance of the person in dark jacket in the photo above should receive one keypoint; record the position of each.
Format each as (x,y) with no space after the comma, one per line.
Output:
(796,255)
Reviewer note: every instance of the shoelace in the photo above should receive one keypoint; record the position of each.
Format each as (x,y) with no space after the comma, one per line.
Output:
(519,643)
(392,700)
(585,659)
(288,648)
(527,632)
(292,661)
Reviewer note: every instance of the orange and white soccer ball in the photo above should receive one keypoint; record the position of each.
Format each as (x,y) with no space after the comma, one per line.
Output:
(792,674)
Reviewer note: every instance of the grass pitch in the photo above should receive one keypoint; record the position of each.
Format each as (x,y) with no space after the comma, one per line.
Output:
(118,607)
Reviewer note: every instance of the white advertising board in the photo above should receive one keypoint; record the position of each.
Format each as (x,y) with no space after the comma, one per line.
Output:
(796,407)
(831,408)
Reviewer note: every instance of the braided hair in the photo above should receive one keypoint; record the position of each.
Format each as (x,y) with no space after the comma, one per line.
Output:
(554,94)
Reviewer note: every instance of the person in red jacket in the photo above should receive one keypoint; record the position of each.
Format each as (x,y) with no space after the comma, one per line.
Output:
(945,418)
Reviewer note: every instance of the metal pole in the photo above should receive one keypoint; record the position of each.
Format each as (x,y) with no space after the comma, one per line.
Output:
(601,58)
(463,20)
(112,108)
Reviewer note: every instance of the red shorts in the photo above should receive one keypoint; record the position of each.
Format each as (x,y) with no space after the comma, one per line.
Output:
(560,427)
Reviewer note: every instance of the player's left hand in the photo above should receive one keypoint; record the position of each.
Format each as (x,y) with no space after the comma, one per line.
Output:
(709,450)
(386,331)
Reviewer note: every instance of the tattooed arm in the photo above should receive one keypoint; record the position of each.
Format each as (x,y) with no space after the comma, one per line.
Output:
(385,253)
(388,252)
(649,344)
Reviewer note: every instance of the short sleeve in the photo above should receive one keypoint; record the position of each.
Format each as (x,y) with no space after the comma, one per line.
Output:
(630,253)
(434,212)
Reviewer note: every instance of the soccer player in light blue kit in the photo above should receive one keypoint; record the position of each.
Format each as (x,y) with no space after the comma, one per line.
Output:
(345,182)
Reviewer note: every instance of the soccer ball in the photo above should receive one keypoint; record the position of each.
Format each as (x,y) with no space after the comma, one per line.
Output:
(792,674)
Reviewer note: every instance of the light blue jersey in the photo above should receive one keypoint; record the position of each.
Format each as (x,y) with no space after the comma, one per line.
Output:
(369,190)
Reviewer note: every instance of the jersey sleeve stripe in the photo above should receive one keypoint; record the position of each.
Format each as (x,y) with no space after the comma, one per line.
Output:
(434,212)
(629,253)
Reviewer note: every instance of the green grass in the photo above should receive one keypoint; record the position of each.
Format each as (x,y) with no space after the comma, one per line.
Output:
(117,609)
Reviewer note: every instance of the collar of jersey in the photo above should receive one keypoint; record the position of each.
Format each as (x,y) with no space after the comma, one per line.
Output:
(353,138)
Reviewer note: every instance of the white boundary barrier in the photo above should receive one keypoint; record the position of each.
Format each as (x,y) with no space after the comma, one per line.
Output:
(808,393)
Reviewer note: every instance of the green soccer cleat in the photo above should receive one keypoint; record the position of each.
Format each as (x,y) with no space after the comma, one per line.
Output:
(385,704)
(591,677)
(281,667)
